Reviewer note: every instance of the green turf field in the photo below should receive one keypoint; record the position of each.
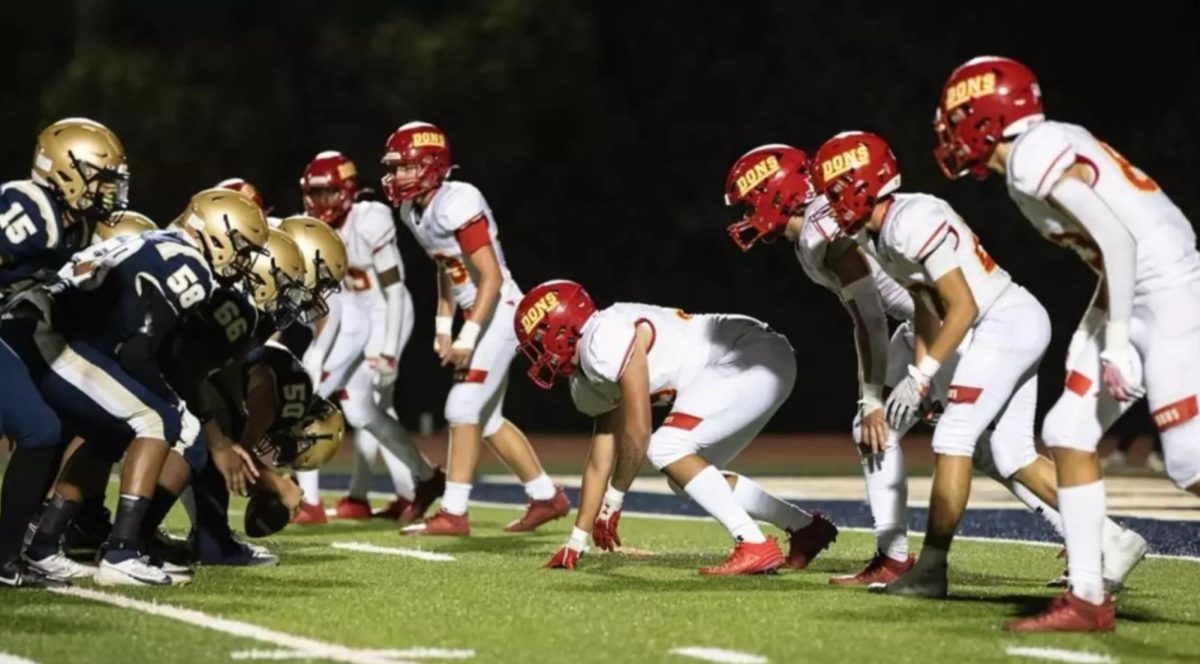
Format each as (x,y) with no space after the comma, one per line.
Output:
(493,599)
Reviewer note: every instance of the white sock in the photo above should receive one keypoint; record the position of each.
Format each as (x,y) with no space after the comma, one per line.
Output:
(1083,520)
(455,499)
(765,507)
(711,492)
(310,484)
(887,495)
(402,477)
(365,447)
(1049,514)
(540,488)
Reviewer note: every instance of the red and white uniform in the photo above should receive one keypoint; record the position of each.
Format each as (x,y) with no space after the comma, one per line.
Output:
(357,327)
(1165,324)
(724,375)
(456,223)
(923,239)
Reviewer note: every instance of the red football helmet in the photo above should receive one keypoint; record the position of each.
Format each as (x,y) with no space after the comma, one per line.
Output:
(329,170)
(549,322)
(238,184)
(985,101)
(417,144)
(855,170)
(772,183)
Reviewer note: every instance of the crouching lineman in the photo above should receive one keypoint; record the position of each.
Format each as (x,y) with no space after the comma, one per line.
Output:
(98,356)
(726,374)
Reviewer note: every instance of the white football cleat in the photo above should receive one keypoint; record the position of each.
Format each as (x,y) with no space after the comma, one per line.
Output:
(132,572)
(181,575)
(60,567)
(1122,553)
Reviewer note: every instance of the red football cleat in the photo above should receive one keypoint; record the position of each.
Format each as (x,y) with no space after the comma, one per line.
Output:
(749,558)
(424,494)
(311,515)
(1068,613)
(541,511)
(441,523)
(393,510)
(352,508)
(806,543)
(880,569)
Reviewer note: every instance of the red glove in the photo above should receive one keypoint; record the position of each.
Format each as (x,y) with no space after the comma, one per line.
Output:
(604,530)
(564,558)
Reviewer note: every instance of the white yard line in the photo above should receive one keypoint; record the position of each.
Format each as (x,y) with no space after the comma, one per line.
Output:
(718,655)
(1059,655)
(6,658)
(363,547)
(410,653)
(311,648)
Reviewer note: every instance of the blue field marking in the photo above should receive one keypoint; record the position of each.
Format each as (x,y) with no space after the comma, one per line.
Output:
(1177,538)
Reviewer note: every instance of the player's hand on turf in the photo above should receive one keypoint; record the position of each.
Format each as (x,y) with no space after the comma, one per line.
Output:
(236,466)
(564,558)
(604,530)
(1119,370)
(904,404)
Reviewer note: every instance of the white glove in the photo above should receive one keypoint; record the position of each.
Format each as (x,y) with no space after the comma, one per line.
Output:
(383,370)
(1120,366)
(1120,369)
(904,403)
(189,426)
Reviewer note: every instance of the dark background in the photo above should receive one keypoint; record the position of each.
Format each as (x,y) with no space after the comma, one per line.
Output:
(601,132)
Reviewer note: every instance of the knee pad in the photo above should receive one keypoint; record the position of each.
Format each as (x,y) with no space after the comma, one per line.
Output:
(666,448)
(1072,424)
(463,404)
(1181,453)
(953,435)
(161,423)
(359,409)
(1009,455)
(42,432)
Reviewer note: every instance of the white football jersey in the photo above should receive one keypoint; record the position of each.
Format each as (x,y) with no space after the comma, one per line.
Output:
(918,224)
(1166,243)
(455,206)
(680,344)
(820,232)
(368,228)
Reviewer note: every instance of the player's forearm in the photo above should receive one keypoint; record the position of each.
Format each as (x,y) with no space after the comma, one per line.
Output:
(958,320)
(1117,246)
(870,338)
(445,295)
(596,474)
(487,293)
(394,297)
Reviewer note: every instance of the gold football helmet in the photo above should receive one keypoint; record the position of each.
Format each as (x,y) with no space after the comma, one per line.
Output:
(310,442)
(84,162)
(230,229)
(126,222)
(279,287)
(324,261)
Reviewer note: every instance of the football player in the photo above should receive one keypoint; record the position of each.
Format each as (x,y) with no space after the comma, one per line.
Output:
(724,376)
(957,289)
(1140,333)
(773,183)
(98,353)
(454,225)
(359,346)
(79,177)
